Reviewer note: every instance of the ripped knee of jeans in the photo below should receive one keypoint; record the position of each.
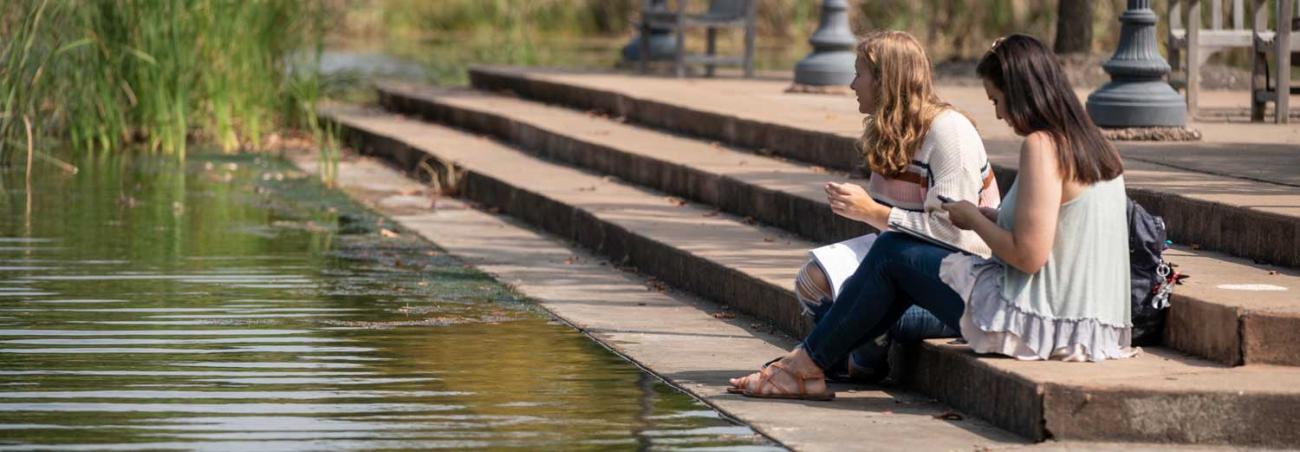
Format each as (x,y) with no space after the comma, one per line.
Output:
(812,289)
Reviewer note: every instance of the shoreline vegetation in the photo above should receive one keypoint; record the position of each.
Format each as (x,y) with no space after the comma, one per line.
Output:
(101,76)
(235,75)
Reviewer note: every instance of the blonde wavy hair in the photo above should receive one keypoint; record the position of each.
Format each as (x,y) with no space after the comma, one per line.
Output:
(905,100)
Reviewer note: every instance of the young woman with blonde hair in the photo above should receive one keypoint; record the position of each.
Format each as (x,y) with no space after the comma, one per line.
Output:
(918,149)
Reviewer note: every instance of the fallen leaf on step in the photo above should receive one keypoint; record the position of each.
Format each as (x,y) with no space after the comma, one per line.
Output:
(676,201)
(591,188)
(568,261)
(818,169)
(655,285)
(949,416)
(388,233)
(724,315)
(1272,272)
(768,239)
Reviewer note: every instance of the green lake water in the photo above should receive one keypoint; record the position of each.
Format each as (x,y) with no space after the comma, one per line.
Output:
(231,303)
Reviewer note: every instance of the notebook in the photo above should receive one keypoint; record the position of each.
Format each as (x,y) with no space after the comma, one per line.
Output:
(928,238)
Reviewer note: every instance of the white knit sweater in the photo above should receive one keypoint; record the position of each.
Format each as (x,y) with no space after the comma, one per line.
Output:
(954,163)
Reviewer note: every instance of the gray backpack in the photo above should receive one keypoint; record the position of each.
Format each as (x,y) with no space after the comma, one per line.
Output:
(1153,278)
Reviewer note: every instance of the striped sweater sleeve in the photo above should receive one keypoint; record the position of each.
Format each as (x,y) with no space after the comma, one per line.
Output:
(953,155)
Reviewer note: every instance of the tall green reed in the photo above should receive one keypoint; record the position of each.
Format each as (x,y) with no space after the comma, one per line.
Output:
(106,74)
(23,60)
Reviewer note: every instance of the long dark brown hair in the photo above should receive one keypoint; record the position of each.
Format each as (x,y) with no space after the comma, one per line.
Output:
(1039,98)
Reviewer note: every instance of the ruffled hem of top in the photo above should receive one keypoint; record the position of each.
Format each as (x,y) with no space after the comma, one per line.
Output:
(993,324)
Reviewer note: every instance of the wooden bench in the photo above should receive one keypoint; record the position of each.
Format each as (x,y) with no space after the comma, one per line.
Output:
(1190,44)
(721,14)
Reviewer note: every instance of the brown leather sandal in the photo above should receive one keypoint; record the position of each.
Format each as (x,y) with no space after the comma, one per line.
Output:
(765,378)
(741,389)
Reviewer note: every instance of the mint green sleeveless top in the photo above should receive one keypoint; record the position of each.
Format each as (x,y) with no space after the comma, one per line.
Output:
(1087,274)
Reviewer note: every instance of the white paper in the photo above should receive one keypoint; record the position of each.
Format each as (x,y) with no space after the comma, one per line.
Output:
(840,260)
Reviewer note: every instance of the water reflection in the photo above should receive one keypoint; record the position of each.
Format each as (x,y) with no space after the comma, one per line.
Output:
(145,316)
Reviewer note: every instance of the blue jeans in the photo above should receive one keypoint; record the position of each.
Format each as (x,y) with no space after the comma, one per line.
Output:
(898,280)
(915,325)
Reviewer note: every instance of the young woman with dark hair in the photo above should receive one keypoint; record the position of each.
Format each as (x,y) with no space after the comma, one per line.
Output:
(1057,284)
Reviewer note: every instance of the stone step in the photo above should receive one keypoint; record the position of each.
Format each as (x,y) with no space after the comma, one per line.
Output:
(1220,324)
(1254,214)
(781,193)
(1160,396)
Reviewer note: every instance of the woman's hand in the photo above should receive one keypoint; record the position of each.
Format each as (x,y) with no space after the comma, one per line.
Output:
(963,214)
(852,201)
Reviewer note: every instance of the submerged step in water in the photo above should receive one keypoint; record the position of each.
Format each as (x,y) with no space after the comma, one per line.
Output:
(229,302)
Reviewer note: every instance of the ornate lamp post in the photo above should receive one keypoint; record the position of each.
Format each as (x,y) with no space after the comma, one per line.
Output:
(663,43)
(831,61)
(1137,95)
